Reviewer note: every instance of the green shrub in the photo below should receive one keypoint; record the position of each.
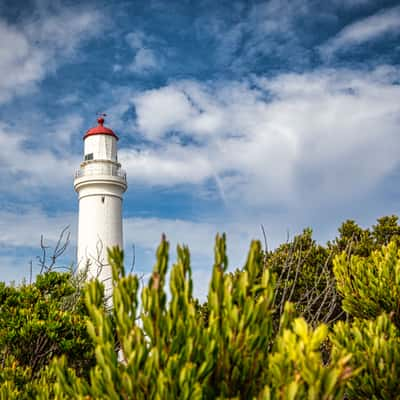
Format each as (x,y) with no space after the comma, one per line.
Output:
(166,351)
(38,322)
(296,367)
(370,285)
(375,349)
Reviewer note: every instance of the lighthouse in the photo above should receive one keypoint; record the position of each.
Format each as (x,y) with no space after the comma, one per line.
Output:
(100,184)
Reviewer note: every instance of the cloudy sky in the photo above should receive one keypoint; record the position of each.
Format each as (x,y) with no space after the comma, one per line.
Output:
(231,114)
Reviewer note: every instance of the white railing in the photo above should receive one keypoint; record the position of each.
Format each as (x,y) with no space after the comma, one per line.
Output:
(103,170)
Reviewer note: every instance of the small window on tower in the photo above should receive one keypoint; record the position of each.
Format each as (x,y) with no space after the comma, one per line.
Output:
(88,156)
(102,199)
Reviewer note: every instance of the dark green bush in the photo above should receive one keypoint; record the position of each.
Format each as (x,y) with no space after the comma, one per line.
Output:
(38,322)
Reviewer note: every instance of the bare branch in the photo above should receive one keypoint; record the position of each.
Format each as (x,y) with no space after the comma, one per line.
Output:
(133,258)
(265,239)
(47,262)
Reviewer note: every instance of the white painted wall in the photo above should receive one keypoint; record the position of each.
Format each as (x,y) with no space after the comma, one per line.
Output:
(103,147)
(100,185)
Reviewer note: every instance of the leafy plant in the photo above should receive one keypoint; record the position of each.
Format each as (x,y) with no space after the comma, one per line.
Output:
(370,285)
(38,322)
(167,352)
(375,349)
(296,367)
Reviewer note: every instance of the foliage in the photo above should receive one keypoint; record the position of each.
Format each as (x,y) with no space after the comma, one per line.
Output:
(375,349)
(304,268)
(385,231)
(169,353)
(244,342)
(352,239)
(297,370)
(37,322)
(357,241)
(304,277)
(370,285)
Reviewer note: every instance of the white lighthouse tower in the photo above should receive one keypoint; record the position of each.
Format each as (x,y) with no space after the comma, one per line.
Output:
(100,184)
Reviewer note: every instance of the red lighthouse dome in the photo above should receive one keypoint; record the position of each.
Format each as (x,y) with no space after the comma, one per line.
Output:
(100,129)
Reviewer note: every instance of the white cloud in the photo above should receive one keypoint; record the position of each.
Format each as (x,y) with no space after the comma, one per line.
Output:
(137,39)
(146,59)
(36,46)
(63,130)
(362,31)
(68,99)
(264,30)
(294,139)
(171,166)
(24,228)
(20,65)
(48,29)
(24,167)
(162,110)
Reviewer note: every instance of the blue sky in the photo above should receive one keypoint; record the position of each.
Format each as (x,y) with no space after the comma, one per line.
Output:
(231,114)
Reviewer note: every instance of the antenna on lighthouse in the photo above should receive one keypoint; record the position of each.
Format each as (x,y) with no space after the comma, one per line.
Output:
(100,118)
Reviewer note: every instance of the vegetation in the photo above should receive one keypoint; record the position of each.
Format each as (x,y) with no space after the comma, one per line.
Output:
(304,321)
(374,346)
(370,287)
(38,322)
(166,352)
